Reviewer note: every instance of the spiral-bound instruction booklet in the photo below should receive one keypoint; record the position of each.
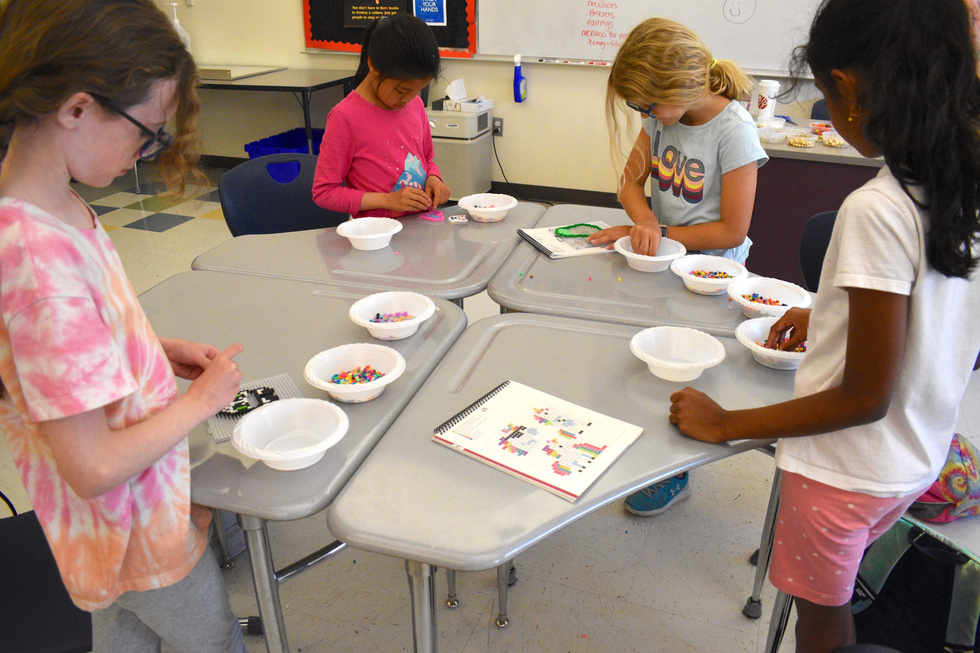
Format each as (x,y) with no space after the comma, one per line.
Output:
(548,441)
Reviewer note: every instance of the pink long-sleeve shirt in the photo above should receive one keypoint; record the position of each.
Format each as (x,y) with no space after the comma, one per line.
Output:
(367,149)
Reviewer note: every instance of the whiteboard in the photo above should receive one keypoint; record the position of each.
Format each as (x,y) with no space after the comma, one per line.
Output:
(759,35)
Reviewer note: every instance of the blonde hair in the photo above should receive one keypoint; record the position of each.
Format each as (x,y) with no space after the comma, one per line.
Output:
(115,49)
(663,62)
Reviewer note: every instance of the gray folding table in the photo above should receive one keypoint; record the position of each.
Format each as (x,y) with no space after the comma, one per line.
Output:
(466,515)
(283,324)
(439,259)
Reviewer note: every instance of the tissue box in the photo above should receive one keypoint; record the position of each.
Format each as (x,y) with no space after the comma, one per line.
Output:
(476,105)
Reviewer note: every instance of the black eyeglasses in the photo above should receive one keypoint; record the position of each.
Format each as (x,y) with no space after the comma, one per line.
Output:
(645,112)
(158,141)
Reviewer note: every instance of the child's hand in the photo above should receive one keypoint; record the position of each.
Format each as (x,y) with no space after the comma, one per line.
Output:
(437,191)
(188,359)
(608,236)
(408,200)
(645,239)
(697,416)
(795,320)
(218,384)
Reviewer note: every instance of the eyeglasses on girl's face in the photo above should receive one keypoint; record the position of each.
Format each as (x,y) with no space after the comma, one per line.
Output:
(645,112)
(157,142)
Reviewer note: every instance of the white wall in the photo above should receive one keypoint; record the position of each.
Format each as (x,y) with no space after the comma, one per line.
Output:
(556,138)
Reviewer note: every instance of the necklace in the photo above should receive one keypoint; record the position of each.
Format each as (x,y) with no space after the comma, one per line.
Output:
(566,231)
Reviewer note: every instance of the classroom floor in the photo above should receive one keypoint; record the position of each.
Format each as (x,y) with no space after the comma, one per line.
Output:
(609,583)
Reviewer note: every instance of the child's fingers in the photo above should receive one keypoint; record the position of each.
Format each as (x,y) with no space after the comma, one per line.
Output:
(233,350)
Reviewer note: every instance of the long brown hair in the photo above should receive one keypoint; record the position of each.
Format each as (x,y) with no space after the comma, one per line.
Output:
(117,49)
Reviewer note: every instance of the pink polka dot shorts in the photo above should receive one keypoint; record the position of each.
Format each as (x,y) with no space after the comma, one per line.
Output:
(821,534)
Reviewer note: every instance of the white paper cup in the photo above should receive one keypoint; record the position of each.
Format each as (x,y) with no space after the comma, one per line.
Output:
(768,88)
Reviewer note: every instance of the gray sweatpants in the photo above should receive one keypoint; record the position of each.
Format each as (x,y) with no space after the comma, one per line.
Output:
(192,616)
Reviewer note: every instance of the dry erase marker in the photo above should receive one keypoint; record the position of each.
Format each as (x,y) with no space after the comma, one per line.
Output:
(520,84)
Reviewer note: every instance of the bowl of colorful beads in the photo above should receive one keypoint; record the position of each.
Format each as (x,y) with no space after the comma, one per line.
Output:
(677,353)
(290,433)
(354,373)
(369,233)
(767,297)
(488,207)
(707,275)
(392,315)
(754,334)
(668,250)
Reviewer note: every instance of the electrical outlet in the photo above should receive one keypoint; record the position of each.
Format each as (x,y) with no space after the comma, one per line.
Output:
(189,3)
(498,127)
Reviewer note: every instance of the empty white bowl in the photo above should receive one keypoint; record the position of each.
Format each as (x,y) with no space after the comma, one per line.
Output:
(345,358)
(369,233)
(290,433)
(488,207)
(677,353)
(786,293)
(364,311)
(686,266)
(667,251)
(753,332)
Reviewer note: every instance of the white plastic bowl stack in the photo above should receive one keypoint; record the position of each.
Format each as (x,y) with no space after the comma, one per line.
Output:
(786,293)
(685,266)
(369,233)
(753,332)
(290,433)
(677,353)
(488,207)
(668,250)
(363,311)
(345,358)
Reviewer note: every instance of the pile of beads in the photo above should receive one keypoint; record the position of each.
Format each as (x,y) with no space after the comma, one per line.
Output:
(364,374)
(799,349)
(710,274)
(759,299)
(384,318)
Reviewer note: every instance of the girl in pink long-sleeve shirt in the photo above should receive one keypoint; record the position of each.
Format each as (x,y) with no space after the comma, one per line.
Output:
(376,158)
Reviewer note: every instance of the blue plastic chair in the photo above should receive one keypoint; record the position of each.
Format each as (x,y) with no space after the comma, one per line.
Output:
(36,613)
(273,194)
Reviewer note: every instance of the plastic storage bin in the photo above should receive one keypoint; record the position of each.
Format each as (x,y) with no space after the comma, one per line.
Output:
(293,140)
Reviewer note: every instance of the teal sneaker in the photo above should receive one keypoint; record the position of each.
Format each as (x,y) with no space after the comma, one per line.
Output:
(658,497)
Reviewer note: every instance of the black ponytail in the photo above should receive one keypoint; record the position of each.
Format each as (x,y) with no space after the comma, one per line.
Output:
(920,104)
(400,46)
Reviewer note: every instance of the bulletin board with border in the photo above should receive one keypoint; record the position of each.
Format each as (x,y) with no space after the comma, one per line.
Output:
(324,22)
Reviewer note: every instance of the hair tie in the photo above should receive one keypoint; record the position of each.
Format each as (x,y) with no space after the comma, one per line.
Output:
(714,62)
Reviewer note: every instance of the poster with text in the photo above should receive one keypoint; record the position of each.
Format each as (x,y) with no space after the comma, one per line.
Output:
(432,12)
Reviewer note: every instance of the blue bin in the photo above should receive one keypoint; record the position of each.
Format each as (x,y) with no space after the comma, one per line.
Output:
(293,140)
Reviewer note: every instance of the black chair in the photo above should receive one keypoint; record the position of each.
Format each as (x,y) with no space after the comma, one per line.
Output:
(36,613)
(813,247)
(273,194)
(819,111)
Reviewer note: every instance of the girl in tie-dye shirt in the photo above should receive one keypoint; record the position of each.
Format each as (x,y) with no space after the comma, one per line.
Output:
(89,402)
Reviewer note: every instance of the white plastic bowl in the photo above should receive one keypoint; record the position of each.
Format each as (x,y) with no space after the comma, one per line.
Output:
(369,233)
(290,433)
(677,353)
(363,311)
(345,358)
(668,250)
(752,332)
(685,266)
(788,294)
(488,207)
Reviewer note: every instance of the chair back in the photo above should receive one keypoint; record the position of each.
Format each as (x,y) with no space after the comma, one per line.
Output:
(273,194)
(813,247)
(36,613)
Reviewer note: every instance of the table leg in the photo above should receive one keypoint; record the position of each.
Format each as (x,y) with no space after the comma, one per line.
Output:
(309,122)
(217,518)
(503,582)
(451,601)
(421,587)
(266,585)
(753,607)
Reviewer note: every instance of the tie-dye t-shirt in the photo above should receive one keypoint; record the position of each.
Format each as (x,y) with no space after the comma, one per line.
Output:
(74,338)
